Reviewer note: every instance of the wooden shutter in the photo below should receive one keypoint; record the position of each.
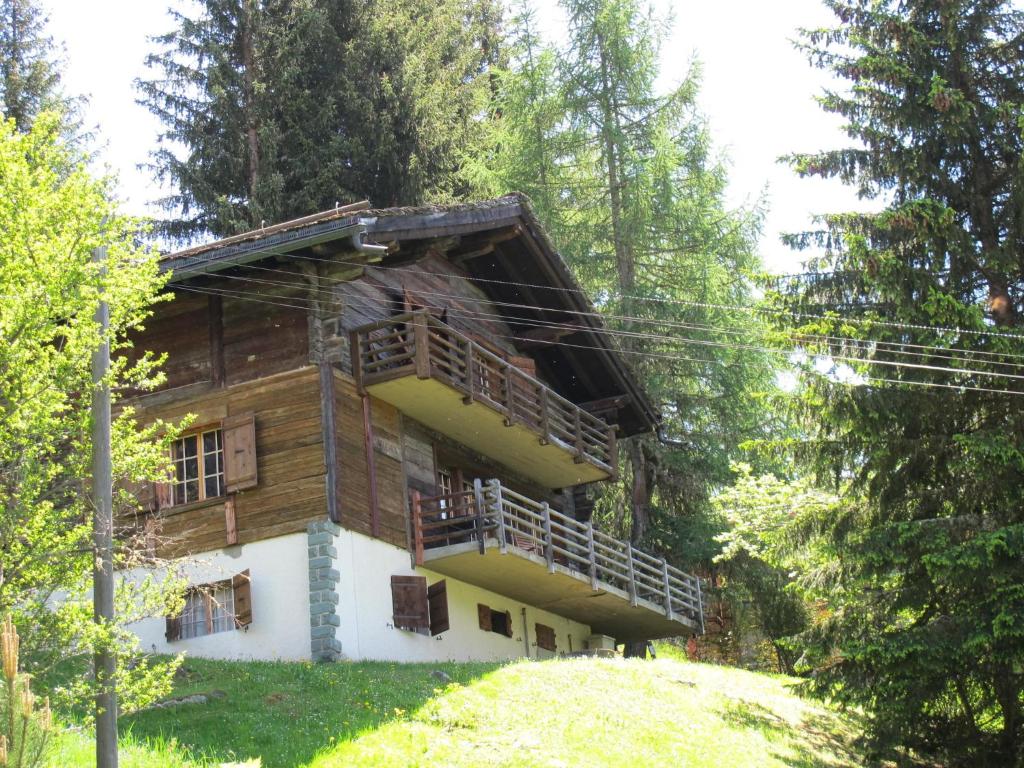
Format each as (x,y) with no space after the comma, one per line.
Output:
(508,624)
(437,604)
(545,637)
(483,613)
(239,434)
(172,628)
(409,603)
(241,586)
(163,494)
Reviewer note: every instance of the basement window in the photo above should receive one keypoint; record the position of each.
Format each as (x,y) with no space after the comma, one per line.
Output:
(212,608)
(491,620)
(417,607)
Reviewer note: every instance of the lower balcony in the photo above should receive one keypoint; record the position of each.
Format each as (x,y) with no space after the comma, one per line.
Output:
(450,383)
(500,540)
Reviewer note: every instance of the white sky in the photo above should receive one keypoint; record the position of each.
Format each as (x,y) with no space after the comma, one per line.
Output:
(757,92)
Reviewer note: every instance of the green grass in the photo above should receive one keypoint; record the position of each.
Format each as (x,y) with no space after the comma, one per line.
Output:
(573,712)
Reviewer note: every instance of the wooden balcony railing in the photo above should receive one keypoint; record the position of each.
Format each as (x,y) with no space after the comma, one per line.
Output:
(418,344)
(493,512)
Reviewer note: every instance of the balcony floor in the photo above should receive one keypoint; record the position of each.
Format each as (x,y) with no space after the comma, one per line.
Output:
(483,429)
(524,576)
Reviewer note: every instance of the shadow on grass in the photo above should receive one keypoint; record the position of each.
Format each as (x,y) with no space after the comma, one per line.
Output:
(285,713)
(817,743)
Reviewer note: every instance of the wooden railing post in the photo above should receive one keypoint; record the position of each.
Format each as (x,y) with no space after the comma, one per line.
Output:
(356,354)
(578,427)
(470,373)
(478,496)
(632,574)
(510,396)
(417,527)
(700,604)
(549,544)
(421,342)
(499,509)
(545,427)
(592,556)
(668,592)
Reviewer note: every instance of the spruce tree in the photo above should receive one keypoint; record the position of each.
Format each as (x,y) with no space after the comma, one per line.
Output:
(280,108)
(29,68)
(924,626)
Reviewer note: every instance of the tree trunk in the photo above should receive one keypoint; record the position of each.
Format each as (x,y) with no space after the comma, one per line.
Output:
(252,127)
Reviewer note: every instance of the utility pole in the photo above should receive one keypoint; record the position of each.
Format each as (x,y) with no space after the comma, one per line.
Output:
(104,662)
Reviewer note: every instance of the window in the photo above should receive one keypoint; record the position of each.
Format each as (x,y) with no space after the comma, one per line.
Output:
(211,608)
(211,463)
(418,608)
(494,621)
(198,466)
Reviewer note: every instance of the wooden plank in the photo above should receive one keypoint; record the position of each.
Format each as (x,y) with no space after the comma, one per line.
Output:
(330,447)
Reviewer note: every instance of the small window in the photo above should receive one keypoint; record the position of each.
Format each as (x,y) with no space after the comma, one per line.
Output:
(198,466)
(491,620)
(212,608)
(417,607)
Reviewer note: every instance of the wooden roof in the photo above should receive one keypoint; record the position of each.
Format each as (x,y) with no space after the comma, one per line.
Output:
(503,247)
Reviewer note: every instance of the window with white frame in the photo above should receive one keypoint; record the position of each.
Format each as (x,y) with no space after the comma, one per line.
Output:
(208,610)
(198,466)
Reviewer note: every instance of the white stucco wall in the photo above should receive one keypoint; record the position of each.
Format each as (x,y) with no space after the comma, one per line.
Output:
(279,569)
(367,632)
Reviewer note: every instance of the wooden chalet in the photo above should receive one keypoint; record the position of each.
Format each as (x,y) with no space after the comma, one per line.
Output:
(396,415)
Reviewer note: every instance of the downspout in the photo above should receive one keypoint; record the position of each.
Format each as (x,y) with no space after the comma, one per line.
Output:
(367,249)
(526,633)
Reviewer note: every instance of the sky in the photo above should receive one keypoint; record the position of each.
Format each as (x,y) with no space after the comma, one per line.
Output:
(757,93)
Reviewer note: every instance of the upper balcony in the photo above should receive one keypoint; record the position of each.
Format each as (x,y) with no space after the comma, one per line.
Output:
(451,384)
(503,541)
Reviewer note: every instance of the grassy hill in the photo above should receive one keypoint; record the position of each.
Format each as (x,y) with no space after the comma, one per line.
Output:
(573,712)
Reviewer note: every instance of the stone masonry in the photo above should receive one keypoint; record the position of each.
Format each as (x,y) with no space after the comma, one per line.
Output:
(323,590)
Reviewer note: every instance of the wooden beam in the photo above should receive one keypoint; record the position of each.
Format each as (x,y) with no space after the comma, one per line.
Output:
(542,337)
(371,467)
(328,433)
(218,373)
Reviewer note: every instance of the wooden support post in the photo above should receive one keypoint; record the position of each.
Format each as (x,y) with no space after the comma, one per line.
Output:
(417,527)
(355,352)
(592,556)
(421,338)
(668,592)
(470,374)
(613,453)
(510,397)
(499,509)
(549,544)
(371,466)
(480,532)
(632,574)
(329,436)
(545,427)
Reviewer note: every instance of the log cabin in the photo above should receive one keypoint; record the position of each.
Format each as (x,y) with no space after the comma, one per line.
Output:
(396,414)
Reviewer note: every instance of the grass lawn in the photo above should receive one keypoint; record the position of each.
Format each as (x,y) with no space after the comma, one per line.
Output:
(573,712)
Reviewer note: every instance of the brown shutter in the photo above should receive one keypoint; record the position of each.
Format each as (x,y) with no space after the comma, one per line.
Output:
(483,613)
(437,603)
(239,433)
(163,493)
(409,602)
(172,628)
(241,586)
(545,637)
(508,623)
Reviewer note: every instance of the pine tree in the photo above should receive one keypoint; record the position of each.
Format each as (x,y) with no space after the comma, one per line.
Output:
(925,620)
(29,69)
(624,178)
(280,108)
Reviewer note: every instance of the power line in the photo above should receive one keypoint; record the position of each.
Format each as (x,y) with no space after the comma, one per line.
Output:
(955,354)
(672,357)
